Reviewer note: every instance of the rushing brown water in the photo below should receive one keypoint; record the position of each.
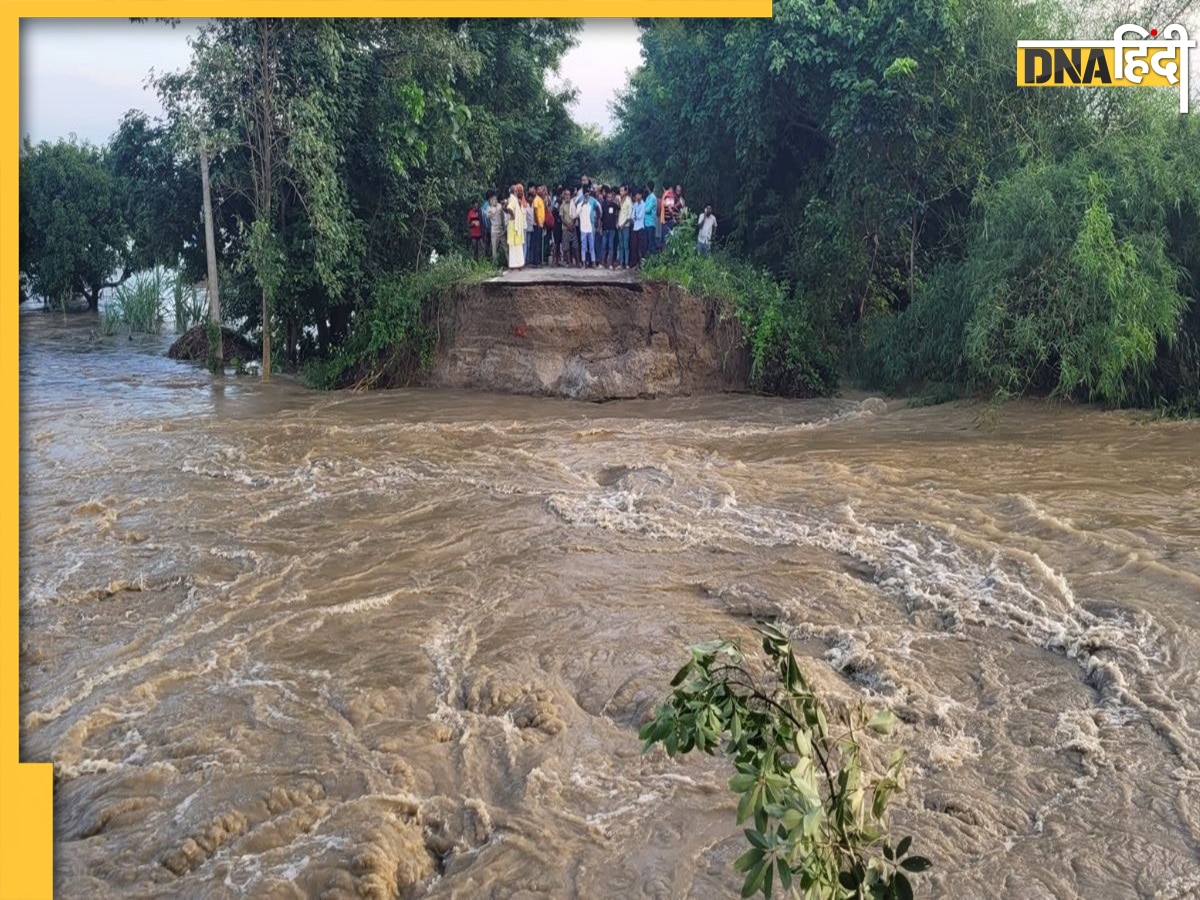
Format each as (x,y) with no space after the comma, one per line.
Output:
(281,643)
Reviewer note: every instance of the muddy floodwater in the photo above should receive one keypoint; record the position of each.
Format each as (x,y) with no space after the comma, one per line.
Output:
(281,643)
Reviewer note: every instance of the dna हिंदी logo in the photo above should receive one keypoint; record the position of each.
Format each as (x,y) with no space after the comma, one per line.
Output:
(1151,59)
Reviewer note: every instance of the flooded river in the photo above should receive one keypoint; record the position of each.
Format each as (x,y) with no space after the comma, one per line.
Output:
(283,644)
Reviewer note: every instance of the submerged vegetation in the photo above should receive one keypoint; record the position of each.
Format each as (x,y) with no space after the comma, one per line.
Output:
(136,305)
(892,206)
(816,807)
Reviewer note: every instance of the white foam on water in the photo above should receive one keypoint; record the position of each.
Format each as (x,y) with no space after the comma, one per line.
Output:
(922,566)
(356,606)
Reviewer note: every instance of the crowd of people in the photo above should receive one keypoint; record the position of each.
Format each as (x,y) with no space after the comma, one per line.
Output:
(593,226)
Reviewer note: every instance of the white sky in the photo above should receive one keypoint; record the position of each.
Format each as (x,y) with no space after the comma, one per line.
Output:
(79,76)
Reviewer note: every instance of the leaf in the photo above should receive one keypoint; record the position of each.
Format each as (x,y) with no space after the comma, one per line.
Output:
(902,887)
(681,675)
(883,722)
(803,743)
(846,880)
(915,864)
(742,782)
(785,874)
(812,821)
(755,878)
(902,847)
(770,631)
(747,859)
(755,838)
(746,805)
(708,648)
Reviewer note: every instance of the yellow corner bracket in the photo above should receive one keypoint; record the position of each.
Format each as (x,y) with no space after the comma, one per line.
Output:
(26,790)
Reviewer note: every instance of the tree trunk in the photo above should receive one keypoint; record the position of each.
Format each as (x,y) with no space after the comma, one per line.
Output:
(912,260)
(214,293)
(266,337)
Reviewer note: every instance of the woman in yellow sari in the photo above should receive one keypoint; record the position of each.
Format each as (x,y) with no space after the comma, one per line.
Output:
(514,214)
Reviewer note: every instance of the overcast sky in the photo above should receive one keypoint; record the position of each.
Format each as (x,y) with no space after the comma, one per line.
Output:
(80,76)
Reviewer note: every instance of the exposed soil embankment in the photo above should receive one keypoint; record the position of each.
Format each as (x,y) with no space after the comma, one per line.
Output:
(193,344)
(589,342)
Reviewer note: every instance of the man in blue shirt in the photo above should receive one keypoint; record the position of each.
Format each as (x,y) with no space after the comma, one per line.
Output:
(638,238)
(651,220)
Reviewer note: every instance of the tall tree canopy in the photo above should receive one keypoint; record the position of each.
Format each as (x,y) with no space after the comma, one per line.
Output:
(940,223)
(346,150)
(73,225)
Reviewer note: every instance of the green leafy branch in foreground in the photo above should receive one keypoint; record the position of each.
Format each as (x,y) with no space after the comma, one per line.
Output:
(819,815)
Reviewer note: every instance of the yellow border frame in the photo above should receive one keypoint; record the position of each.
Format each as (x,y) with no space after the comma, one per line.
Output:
(27,789)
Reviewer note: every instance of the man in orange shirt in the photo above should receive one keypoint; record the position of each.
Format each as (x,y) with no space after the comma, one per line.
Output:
(539,224)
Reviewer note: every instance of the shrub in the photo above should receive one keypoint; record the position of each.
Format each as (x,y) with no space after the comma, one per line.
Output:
(1075,281)
(817,809)
(396,335)
(787,356)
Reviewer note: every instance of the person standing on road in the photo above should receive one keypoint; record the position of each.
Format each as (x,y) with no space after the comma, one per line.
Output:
(608,220)
(495,222)
(514,215)
(539,219)
(650,221)
(624,220)
(666,214)
(639,229)
(568,219)
(587,229)
(475,232)
(708,226)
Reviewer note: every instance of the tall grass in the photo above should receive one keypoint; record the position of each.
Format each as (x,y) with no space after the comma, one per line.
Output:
(190,307)
(136,305)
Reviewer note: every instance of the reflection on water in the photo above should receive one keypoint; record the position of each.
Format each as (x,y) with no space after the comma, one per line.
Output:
(291,644)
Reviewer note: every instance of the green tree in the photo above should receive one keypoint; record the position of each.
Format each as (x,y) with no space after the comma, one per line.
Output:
(160,187)
(940,223)
(345,151)
(73,233)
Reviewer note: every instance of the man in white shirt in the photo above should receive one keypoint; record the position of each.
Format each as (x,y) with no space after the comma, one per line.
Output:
(708,225)
(587,229)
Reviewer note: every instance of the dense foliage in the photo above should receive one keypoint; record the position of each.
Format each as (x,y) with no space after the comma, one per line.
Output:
(73,227)
(787,356)
(816,806)
(344,152)
(394,338)
(936,222)
(919,218)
